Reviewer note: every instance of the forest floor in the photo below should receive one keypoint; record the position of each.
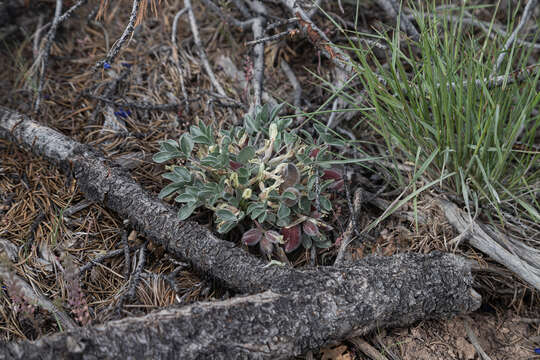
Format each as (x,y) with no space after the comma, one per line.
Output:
(44,215)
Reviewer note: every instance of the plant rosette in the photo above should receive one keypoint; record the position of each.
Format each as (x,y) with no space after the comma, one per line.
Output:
(263,175)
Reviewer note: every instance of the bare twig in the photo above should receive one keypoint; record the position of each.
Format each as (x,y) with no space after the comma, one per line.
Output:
(367,349)
(347,236)
(227,18)
(258,63)
(488,28)
(392,8)
(71,10)
(112,86)
(141,105)
(175,57)
(200,48)
(474,341)
(527,12)
(89,265)
(33,295)
(268,38)
(297,88)
(134,281)
(243,8)
(128,31)
(33,228)
(39,29)
(125,246)
(46,52)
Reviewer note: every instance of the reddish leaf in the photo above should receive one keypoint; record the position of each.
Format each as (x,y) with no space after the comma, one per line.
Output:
(288,201)
(338,185)
(292,237)
(331,174)
(235,165)
(266,246)
(310,228)
(252,237)
(313,154)
(273,236)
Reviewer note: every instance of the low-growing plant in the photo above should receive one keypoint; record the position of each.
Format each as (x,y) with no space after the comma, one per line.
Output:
(264,175)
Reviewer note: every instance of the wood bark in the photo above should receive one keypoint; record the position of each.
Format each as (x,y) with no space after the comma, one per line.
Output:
(299,310)
(329,305)
(105,182)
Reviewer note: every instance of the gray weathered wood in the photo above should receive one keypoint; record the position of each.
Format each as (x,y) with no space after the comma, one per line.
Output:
(326,306)
(103,181)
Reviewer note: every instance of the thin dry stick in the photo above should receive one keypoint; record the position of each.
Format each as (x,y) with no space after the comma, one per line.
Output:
(258,63)
(243,8)
(34,296)
(367,349)
(137,273)
(318,37)
(46,52)
(39,29)
(268,38)
(70,11)
(200,49)
(524,18)
(125,248)
(175,57)
(392,9)
(485,26)
(99,259)
(346,238)
(297,88)
(128,31)
(474,341)
(227,18)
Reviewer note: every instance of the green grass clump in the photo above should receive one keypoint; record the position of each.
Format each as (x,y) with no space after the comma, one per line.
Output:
(437,97)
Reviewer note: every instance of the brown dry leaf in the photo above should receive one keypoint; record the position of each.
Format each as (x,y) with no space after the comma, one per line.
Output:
(337,353)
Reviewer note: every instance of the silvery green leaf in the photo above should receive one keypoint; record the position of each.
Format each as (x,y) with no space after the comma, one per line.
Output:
(323,244)
(169,146)
(163,156)
(283,211)
(185,198)
(186,144)
(283,222)
(225,227)
(275,112)
(326,205)
(263,216)
(304,205)
(186,211)
(196,131)
(169,189)
(291,193)
(183,173)
(172,177)
(289,138)
(245,154)
(226,215)
(254,206)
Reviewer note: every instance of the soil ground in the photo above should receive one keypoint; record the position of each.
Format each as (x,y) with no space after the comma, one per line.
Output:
(35,197)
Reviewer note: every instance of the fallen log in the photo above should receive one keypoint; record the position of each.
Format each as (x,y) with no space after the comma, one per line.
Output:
(329,305)
(105,182)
